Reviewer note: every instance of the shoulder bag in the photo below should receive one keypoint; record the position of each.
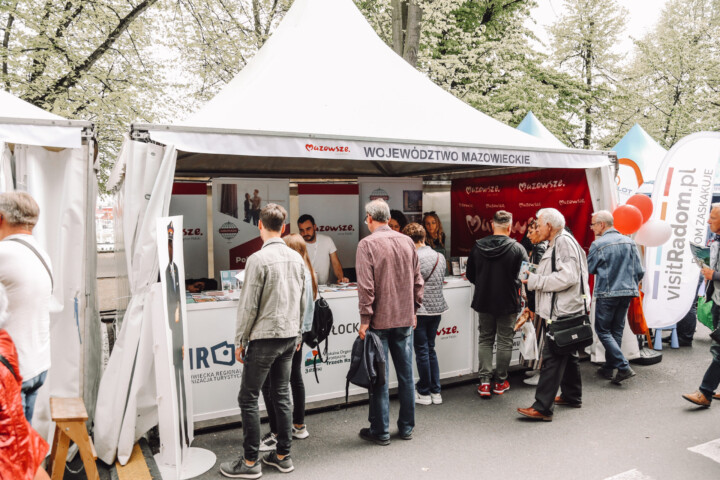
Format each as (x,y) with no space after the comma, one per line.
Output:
(570,333)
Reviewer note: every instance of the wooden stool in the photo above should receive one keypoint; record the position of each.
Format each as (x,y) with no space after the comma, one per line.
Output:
(69,415)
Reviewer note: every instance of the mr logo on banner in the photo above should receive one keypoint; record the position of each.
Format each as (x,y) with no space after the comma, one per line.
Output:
(682,197)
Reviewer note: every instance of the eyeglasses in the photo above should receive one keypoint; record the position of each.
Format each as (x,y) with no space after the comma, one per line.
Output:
(366,219)
(594,223)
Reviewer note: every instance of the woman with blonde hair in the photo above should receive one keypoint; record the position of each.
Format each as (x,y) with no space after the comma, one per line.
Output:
(297,386)
(435,235)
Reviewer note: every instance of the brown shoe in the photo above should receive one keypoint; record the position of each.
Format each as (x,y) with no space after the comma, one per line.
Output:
(534,414)
(716,396)
(559,400)
(698,398)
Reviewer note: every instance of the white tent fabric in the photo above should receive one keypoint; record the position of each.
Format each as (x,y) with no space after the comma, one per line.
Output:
(127,406)
(62,181)
(532,126)
(23,123)
(326,86)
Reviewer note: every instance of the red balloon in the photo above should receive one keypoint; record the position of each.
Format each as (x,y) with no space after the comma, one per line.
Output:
(628,219)
(643,203)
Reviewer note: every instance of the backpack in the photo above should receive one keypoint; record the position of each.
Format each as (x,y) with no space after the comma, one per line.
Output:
(321,327)
(367,364)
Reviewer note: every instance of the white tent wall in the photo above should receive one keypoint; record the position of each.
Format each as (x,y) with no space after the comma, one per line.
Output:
(63,183)
(127,405)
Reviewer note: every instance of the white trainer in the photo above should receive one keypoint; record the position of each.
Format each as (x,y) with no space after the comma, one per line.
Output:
(268,443)
(300,432)
(436,398)
(422,399)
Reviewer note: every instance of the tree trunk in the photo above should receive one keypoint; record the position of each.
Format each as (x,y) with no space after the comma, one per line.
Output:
(5,46)
(588,61)
(398,37)
(412,35)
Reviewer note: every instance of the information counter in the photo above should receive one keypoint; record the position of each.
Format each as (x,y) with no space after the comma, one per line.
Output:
(215,375)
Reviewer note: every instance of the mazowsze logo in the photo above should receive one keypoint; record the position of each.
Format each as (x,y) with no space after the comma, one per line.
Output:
(228,230)
(336,228)
(549,185)
(479,189)
(326,148)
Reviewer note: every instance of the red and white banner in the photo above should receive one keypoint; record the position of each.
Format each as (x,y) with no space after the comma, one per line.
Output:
(190,201)
(333,206)
(474,202)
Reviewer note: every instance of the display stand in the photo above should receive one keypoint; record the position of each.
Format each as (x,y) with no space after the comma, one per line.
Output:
(196,462)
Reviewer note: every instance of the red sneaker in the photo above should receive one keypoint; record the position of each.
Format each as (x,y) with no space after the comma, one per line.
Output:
(500,388)
(484,390)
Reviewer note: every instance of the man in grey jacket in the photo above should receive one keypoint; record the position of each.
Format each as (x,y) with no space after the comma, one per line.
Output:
(270,314)
(565,285)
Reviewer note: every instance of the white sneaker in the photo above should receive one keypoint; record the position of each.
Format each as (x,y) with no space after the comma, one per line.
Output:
(436,398)
(268,442)
(300,432)
(422,399)
(532,373)
(532,380)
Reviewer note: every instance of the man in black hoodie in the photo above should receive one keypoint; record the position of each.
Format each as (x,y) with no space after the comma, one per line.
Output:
(493,267)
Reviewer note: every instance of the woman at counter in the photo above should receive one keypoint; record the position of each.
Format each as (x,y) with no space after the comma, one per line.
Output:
(299,430)
(398,221)
(435,238)
(432,269)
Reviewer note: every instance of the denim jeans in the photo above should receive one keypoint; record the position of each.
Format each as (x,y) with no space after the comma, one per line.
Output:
(425,356)
(399,343)
(491,326)
(266,357)
(297,386)
(610,315)
(28,393)
(711,379)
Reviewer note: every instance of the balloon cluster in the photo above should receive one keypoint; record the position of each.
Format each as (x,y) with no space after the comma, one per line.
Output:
(634,217)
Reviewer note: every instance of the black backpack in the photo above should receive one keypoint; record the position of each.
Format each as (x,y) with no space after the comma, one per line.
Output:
(367,364)
(321,327)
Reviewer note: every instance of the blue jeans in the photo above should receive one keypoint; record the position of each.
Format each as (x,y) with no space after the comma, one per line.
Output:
(266,358)
(398,342)
(425,356)
(711,379)
(28,393)
(609,325)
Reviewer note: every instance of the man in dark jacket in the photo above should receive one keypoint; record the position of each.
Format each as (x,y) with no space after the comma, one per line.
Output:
(493,267)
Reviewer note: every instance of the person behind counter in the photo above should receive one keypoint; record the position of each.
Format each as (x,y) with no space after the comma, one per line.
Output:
(321,250)
(435,236)
(398,221)
(432,269)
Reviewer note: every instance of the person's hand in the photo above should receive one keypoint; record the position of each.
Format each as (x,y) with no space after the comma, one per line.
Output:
(524,280)
(522,319)
(240,354)
(361,332)
(344,280)
(707,273)
(298,347)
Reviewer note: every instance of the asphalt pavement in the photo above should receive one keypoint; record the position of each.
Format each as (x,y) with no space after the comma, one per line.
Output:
(641,430)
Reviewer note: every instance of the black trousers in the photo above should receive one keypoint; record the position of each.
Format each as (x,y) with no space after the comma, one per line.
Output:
(297,387)
(558,372)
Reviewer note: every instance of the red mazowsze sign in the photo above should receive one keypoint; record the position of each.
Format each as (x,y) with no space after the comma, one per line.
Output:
(475,201)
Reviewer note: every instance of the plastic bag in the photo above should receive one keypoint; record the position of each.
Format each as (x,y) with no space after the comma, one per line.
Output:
(703,312)
(528,342)
(636,316)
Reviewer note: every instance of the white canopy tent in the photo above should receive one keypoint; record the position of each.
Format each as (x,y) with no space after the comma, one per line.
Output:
(52,159)
(324,97)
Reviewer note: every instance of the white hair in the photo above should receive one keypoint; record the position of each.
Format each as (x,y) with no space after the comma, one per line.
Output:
(552,217)
(378,210)
(605,217)
(3,306)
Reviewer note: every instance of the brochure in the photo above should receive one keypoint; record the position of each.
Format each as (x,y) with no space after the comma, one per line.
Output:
(701,254)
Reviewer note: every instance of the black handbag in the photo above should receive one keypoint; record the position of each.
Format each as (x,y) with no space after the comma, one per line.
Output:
(568,334)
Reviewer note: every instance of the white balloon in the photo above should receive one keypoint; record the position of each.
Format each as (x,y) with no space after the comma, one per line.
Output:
(653,233)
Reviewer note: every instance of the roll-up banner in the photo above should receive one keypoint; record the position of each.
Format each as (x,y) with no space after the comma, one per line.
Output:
(403,194)
(331,205)
(474,202)
(236,212)
(190,201)
(682,196)
(629,178)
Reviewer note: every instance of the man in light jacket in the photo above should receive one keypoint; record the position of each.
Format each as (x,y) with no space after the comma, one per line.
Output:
(269,320)
(615,261)
(566,282)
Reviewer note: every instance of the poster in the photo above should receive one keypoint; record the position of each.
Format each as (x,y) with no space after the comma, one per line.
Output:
(474,201)
(329,205)
(170,331)
(190,201)
(235,215)
(404,194)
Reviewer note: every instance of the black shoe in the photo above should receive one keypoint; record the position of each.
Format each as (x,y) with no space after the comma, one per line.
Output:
(365,434)
(285,465)
(605,373)
(623,375)
(406,436)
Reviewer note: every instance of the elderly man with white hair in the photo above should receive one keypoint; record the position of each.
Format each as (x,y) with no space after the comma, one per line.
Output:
(559,285)
(615,261)
(26,273)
